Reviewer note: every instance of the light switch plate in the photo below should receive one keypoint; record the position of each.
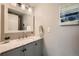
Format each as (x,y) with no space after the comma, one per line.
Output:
(48,30)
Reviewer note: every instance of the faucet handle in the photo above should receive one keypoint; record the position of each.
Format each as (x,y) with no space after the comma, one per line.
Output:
(7,38)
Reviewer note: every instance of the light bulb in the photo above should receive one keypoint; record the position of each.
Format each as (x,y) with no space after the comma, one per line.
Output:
(30,9)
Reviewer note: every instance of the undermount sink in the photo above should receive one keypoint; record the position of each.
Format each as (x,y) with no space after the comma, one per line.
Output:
(17,40)
(4,42)
(7,41)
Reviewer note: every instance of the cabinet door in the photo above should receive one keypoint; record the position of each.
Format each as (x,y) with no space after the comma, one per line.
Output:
(29,50)
(15,52)
(38,48)
(34,48)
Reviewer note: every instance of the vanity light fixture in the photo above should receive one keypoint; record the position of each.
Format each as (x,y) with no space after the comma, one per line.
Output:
(29,9)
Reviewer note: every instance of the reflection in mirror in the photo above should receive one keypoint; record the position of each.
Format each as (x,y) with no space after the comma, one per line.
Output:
(19,22)
(13,22)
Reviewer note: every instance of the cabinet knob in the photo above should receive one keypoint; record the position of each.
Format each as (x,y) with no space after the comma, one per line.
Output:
(35,43)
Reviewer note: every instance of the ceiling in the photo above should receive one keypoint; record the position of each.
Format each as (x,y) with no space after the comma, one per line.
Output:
(32,4)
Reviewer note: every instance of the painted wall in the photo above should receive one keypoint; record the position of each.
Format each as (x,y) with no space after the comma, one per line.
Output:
(0,22)
(58,40)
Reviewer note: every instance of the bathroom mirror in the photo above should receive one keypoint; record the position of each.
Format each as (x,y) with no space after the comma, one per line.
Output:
(17,21)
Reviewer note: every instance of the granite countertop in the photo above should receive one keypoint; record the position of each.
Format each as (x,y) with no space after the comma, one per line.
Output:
(17,43)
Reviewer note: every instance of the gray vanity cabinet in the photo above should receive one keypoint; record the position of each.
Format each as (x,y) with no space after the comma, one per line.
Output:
(31,49)
(14,52)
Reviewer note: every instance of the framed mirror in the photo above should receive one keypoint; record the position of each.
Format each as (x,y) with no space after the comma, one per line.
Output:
(17,20)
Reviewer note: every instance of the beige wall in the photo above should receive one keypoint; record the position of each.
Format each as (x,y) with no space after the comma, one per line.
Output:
(60,40)
(0,22)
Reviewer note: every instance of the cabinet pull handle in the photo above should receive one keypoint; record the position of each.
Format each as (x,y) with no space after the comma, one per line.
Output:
(24,50)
